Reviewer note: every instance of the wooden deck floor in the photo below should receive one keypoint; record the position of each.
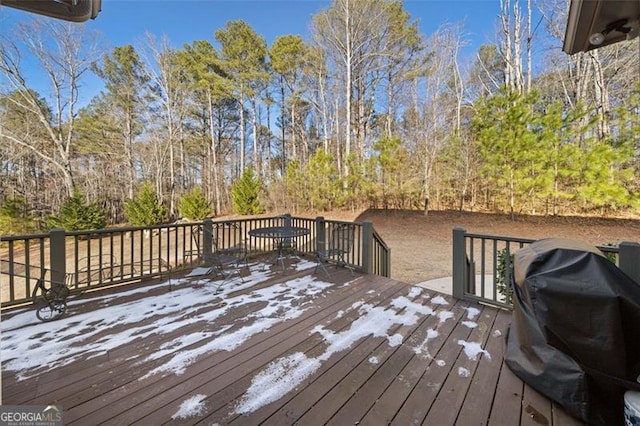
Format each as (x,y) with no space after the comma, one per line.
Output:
(281,348)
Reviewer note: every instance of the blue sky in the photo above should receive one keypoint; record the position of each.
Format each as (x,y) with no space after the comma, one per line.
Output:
(183,21)
(187,20)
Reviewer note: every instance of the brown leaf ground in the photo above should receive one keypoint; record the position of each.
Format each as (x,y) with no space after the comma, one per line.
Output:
(421,245)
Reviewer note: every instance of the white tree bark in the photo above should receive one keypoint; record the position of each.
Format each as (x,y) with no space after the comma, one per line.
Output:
(64,52)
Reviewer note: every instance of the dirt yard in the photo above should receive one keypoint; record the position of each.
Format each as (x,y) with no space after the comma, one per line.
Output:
(421,245)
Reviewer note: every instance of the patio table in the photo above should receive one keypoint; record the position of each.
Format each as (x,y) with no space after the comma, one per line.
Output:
(282,237)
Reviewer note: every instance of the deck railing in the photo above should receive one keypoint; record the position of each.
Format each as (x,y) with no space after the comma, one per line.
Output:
(116,256)
(482,265)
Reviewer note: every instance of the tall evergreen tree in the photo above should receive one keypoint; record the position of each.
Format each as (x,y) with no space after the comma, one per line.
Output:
(145,209)
(244,53)
(212,88)
(246,194)
(125,82)
(508,146)
(288,55)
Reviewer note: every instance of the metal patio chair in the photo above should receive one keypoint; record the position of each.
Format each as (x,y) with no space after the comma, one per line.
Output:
(340,245)
(225,262)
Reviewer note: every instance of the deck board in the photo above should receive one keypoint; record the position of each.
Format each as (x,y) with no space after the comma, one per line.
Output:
(389,373)
(334,369)
(386,407)
(349,396)
(477,403)
(423,396)
(407,369)
(507,405)
(456,386)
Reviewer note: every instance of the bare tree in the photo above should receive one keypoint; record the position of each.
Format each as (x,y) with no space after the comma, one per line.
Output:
(64,53)
(167,78)
(598,79)
(437,101)
(352,34)
(511,46)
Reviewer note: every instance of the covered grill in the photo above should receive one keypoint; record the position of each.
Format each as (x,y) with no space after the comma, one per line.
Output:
(575,335)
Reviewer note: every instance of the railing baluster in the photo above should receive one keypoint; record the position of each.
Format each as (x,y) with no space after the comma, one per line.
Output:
(12,283)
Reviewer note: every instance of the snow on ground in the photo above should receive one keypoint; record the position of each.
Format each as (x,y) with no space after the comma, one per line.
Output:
(473,349)
(414,292)
(372,321)
(191,407)
(463,372)
(30,347)
(443,316)
(439,300)
(472,312)
(423,348)
(469,324)
(277,379)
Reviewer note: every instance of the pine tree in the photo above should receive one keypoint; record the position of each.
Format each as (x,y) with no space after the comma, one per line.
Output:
(77,215)
(145,209)
(194,206)
(324,186)
(508,144)
(244,194)
(14,217)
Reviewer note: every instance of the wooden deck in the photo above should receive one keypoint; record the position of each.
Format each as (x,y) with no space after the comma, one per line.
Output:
(280,348)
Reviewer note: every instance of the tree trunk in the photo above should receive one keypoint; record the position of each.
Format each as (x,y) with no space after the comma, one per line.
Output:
(254,131)
(242,124)
(214,156)
(349,91)
(282,126)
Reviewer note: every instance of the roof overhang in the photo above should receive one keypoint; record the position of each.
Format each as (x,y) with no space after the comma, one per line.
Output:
(68,10)
(597,23)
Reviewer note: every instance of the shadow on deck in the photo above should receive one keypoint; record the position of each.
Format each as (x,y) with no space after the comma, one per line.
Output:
(281,348)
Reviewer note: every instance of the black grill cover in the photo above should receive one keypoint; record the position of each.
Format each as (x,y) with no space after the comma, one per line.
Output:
(575,335)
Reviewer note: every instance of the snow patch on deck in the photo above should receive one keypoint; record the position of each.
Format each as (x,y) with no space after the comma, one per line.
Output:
(473,349)
(191,407)
(276,380)
(374,321)
(30,347)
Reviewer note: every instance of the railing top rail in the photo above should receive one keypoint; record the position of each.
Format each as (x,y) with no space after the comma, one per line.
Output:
(380,240)
(500,238)
(152,227)
(331,220)
(610,249)
(130,228)
(5,238)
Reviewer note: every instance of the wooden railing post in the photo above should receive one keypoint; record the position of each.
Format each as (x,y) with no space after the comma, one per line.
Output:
(321,234)
(58,255)
(629,260)
(207,238)
(459,263)
(367,247)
